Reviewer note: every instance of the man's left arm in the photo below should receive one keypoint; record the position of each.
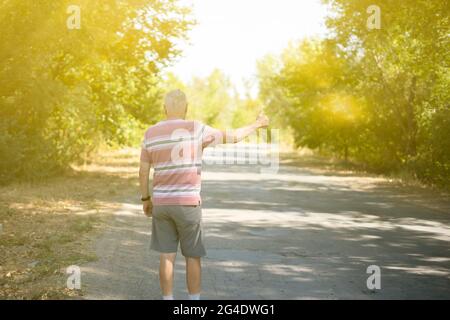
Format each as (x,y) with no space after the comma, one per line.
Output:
(237,135)
(144,175)
(214,137)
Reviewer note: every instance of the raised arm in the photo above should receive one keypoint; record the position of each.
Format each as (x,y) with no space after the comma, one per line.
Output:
(237,135)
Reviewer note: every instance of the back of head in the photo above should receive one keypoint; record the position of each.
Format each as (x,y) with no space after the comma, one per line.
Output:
(176,103)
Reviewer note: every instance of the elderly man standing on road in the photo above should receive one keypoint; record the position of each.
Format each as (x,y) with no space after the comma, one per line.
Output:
(174,148)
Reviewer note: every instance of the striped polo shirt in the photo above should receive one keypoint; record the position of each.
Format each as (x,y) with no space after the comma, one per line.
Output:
(174,148)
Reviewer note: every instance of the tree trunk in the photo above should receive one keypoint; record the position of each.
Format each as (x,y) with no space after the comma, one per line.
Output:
(411,148)
(346,153)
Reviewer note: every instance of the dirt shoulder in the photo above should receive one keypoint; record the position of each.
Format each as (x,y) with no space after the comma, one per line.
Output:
(48,226)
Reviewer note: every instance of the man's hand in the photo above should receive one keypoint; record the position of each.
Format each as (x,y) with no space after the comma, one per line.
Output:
(147,206)
(262,121)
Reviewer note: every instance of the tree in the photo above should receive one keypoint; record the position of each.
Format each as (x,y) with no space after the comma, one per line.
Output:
(399,69)
(309,90)
(62,91)
(379,96)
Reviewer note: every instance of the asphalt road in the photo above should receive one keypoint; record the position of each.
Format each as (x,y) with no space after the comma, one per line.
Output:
(295,234)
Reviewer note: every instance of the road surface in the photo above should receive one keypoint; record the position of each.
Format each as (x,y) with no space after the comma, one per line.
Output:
(296,234)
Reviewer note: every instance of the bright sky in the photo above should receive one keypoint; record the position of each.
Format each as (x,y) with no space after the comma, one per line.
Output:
(233,34)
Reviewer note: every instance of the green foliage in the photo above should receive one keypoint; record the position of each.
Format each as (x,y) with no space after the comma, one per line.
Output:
(246,111)
(63,91)
(378,96)
(212,99)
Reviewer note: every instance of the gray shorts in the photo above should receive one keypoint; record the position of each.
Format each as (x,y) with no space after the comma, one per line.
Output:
(178,224)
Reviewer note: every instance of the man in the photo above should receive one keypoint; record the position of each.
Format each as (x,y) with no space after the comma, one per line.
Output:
(174,148)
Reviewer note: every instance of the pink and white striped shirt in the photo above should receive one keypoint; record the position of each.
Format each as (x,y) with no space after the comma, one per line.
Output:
(174,149)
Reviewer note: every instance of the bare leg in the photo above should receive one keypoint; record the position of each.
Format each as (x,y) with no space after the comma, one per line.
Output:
(166,262)
(193,275)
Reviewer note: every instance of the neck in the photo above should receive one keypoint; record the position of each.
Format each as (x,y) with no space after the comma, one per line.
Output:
(174,118)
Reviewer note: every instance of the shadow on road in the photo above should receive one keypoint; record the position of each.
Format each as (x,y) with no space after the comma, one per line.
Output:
(292,235)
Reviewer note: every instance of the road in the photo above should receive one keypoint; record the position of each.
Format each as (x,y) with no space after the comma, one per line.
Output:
(300,233)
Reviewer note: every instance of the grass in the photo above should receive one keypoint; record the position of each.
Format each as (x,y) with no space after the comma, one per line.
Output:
(321,164)
(48,226)
(329,165)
